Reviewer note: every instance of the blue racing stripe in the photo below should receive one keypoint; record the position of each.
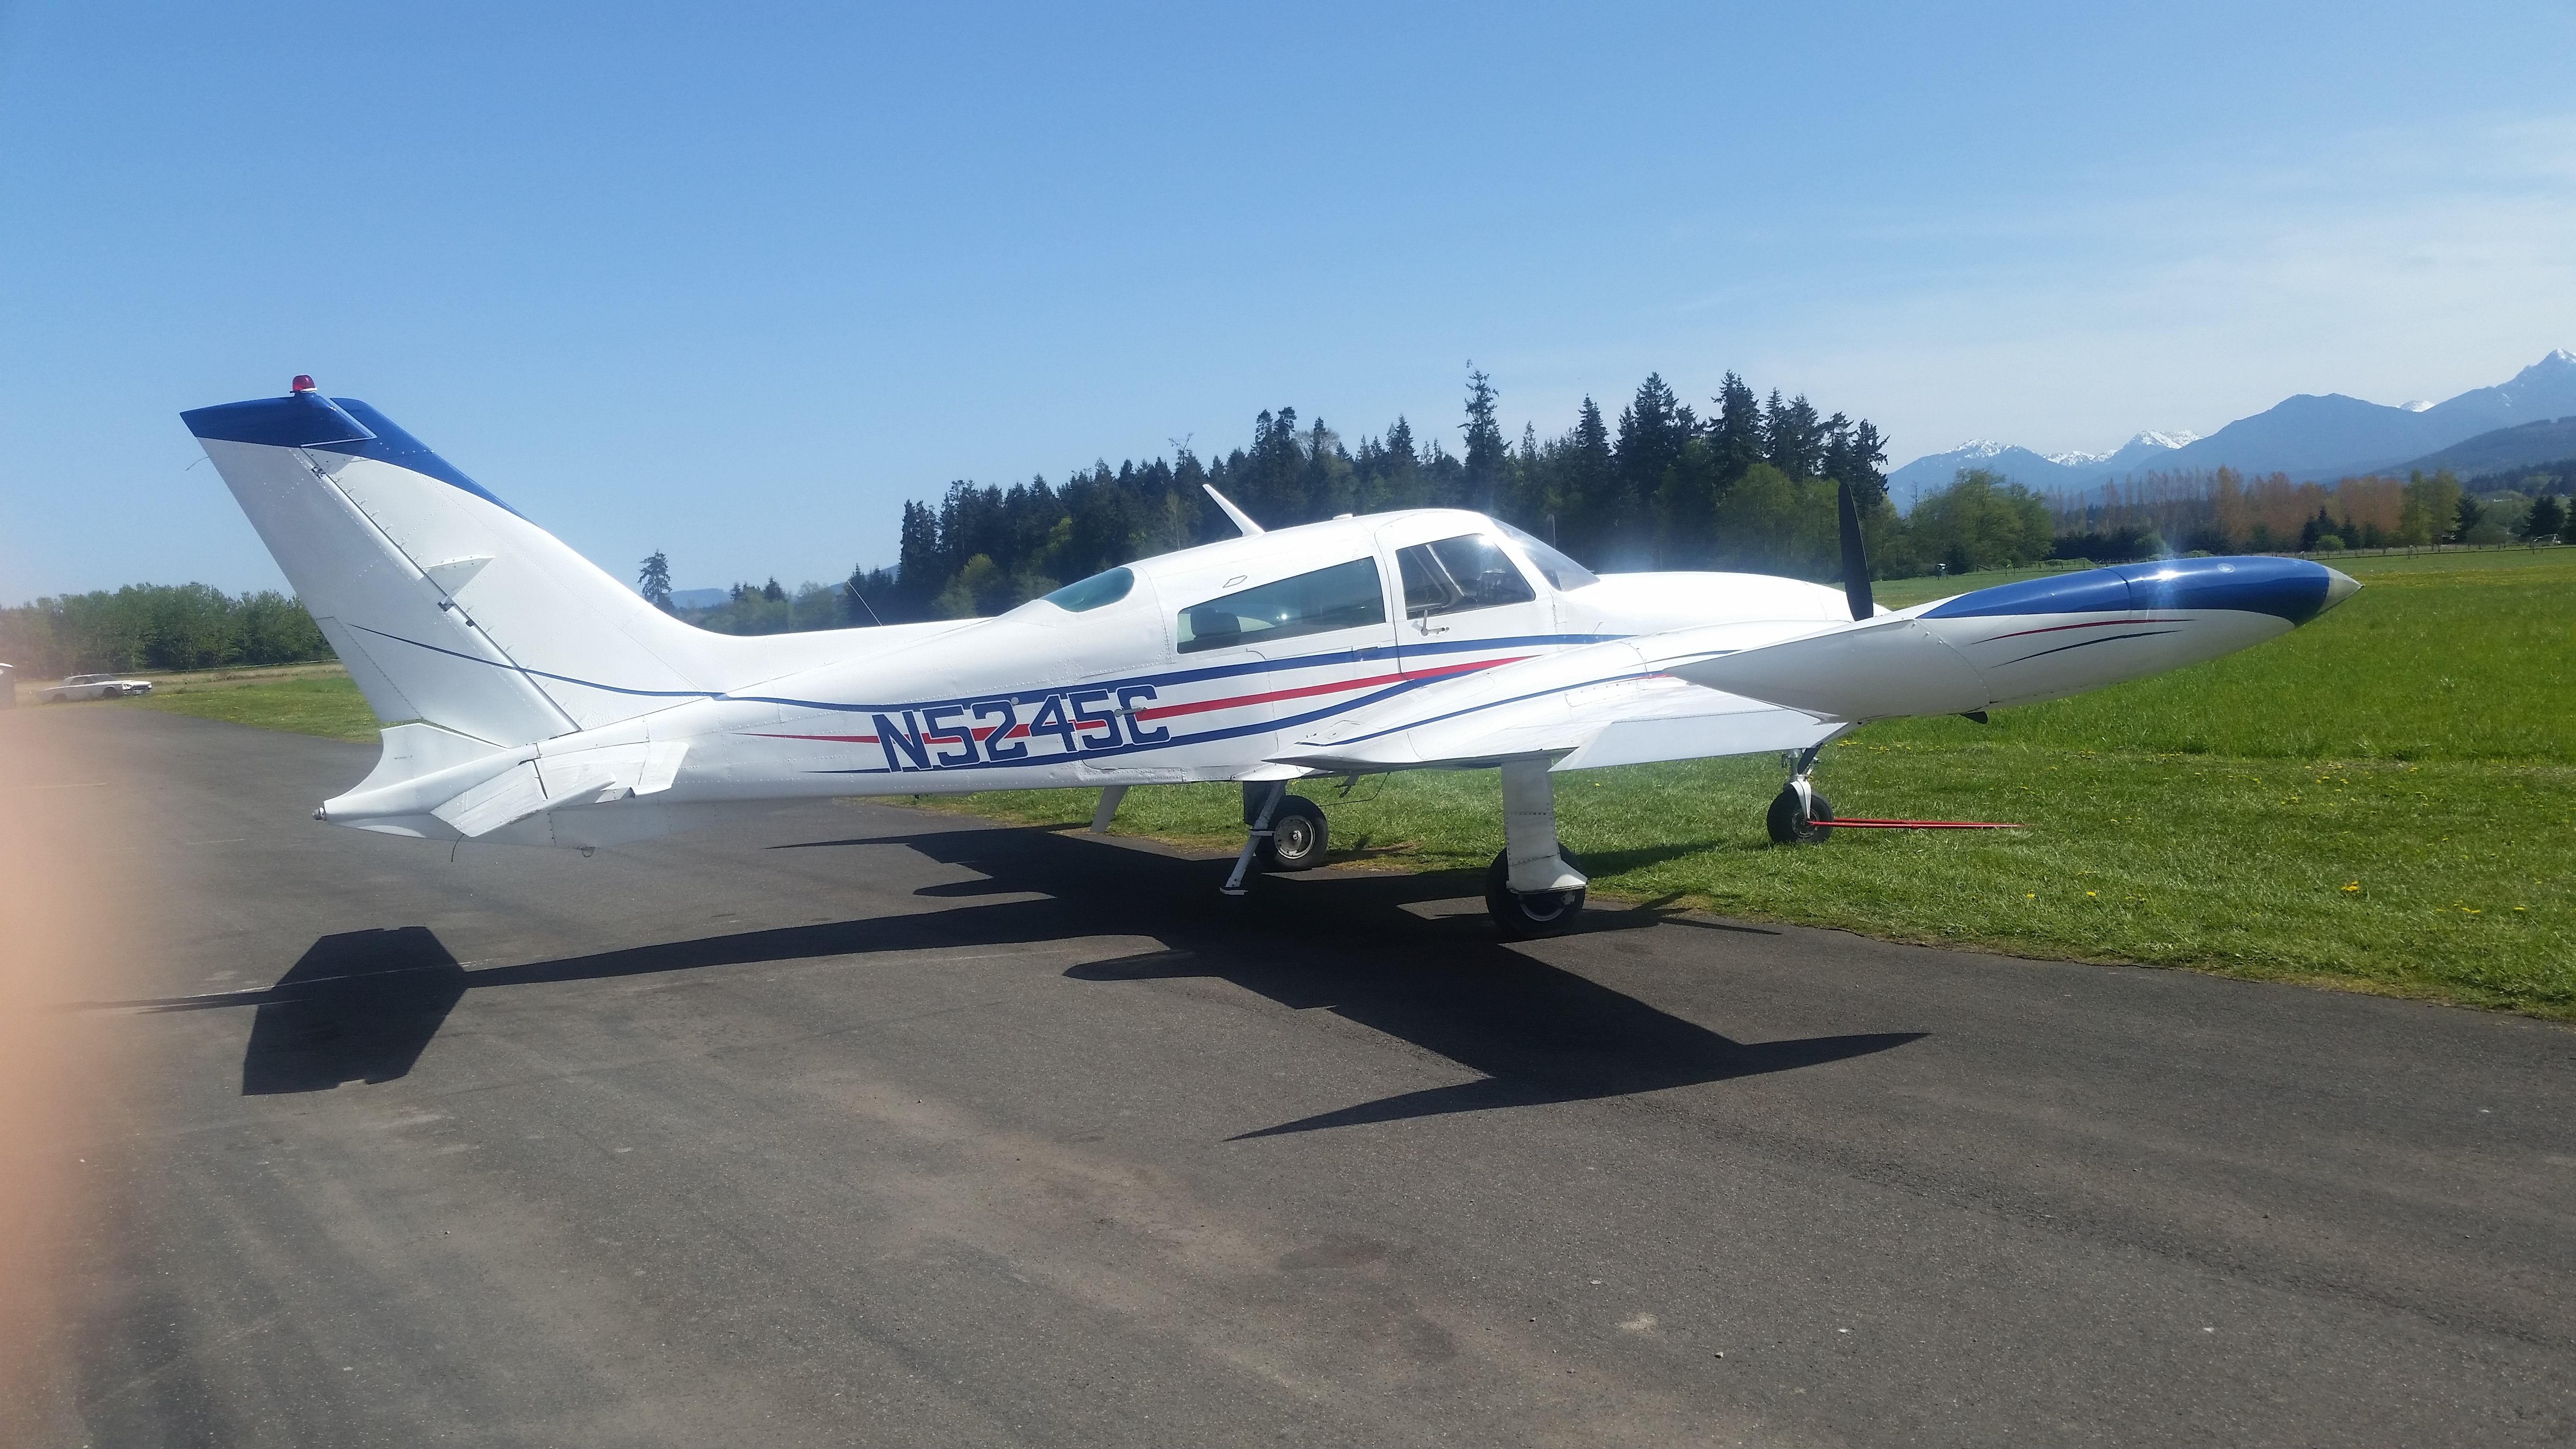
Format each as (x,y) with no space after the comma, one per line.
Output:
(2086,644)
(1032,694)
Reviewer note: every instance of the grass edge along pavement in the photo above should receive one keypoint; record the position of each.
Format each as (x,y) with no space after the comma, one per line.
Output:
(308,699)
(2373,802)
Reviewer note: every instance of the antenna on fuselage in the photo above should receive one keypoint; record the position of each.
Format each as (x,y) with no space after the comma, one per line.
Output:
(1242,520)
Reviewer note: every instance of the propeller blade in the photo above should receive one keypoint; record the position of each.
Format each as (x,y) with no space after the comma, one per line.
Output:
(1855,557)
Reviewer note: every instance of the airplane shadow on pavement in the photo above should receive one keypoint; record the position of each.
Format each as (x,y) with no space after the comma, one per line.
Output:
(363,1005)
(359,1006)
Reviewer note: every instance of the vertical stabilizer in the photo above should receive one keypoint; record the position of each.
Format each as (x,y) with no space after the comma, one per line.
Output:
(446,605)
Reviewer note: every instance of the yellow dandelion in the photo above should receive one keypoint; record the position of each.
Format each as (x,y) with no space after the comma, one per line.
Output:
(2351,886)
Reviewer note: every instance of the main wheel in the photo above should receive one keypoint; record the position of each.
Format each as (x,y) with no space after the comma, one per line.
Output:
(1297,835)
(1792,826)
(1522,917)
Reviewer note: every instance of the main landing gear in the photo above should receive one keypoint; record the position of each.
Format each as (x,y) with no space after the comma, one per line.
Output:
(1535,887)
(1799,815)
(1286,831)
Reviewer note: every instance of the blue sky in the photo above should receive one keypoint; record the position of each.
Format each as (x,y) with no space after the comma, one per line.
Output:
(733,281)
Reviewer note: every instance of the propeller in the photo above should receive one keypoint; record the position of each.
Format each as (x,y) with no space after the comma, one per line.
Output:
(1855,557)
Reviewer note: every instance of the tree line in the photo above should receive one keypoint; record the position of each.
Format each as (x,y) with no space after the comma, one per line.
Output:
(2223,511)
(1743,482)
(157,627)
(1746,482)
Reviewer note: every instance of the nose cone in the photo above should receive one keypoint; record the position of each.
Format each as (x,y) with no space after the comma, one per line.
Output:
(2339,587)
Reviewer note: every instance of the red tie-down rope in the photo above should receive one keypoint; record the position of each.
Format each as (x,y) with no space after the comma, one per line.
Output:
(1919,824)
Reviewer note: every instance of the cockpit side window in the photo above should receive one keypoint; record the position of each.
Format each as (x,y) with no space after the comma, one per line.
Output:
(1455,575)
(1344,596)
(1560,572)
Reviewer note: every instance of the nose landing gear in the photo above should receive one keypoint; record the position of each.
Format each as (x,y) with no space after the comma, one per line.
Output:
(1798,814)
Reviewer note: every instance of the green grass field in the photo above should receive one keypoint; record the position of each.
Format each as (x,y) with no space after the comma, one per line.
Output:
(309,699)
(2384,800)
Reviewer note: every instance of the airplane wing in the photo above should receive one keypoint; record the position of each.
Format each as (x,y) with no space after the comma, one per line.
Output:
(1746,688)
(1616,703)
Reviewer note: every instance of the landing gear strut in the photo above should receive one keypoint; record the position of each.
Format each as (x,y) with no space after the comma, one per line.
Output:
(1286,831)
(1798,814)
(1534,888)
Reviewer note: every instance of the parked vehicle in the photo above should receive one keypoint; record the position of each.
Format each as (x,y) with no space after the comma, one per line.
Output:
(95,686)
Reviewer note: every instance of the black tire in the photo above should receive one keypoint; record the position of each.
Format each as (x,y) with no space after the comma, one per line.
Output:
(1298,835)
(1526,917)
(1789,826)
(111,692)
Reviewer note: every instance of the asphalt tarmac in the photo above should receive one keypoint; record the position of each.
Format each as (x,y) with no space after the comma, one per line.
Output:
(855,1125)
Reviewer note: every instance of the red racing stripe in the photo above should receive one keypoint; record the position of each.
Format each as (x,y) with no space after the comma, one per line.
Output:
(1307,691)
(1020,731)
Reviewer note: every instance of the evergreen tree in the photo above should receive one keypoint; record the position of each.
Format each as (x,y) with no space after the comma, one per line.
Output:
(857,603)
(1854,454)
(919,570)
(1735,434)
(2547,519)
(654,581)
(1650,501)
(1793,439)
(2465,516)
(1585,504)
(1485,462)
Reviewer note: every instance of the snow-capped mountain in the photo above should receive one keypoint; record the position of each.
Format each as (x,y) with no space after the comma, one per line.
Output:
(2055,470)
(2307,436)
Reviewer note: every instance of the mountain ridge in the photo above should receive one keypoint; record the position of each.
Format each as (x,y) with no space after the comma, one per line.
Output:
(2308,436)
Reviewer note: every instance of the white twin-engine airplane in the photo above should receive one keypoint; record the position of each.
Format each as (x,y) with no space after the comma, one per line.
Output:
(530,698)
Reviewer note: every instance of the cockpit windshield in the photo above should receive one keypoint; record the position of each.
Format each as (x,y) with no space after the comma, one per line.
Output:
(1084,595)
(1560,572)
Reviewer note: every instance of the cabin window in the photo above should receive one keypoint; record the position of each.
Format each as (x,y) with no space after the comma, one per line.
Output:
(1083,595)
(1344,596)
(1454,575)
(1559,571)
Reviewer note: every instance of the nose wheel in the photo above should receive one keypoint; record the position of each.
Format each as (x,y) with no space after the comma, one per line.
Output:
(1798,815)
(1797,818)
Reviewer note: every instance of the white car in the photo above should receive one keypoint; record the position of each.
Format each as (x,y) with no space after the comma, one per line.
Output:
(95,686)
